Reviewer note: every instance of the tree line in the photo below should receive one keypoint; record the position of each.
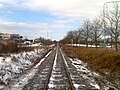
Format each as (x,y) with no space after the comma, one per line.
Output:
(102,30)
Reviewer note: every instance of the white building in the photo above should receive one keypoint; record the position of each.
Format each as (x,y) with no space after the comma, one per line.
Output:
(9,36)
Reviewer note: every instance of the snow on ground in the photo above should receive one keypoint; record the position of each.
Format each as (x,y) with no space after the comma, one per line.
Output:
(83,45)
(51,85)
(64,58)
(15,64)
(87,73)
(25,78)
(29,44)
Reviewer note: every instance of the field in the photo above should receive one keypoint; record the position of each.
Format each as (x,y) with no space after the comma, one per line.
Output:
(107,62)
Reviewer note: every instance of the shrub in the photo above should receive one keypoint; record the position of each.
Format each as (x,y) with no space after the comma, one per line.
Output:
(8,46)
(14,59)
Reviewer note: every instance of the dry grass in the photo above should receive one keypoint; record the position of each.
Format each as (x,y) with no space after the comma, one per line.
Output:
(99,59)
(10,46)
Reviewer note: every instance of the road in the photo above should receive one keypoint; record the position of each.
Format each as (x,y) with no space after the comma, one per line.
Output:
(58,72)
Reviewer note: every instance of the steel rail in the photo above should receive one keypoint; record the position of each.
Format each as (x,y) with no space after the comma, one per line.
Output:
(67,71)
(65,68)
(49,74)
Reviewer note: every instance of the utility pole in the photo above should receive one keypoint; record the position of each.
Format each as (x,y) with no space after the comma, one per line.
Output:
(47,40)
(47,34)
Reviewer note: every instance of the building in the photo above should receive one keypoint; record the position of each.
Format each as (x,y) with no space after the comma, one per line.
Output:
(15,36)
(9,36)
(5,36)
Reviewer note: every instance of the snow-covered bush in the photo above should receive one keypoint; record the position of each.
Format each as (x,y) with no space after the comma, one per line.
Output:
(16,64)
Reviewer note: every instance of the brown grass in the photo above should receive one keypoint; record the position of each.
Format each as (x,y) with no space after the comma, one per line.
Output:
(7,47)
(102,60)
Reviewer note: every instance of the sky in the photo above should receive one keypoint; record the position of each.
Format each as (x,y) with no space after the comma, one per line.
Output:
(50,19)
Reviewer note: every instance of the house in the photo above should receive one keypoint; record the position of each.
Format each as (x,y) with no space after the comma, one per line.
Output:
(15,36)
(5,36)
(9,36)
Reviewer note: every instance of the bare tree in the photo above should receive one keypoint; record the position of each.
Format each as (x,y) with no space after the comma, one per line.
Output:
(108,29)
(70,37)
(80,36)
(112,18)
(96,31)
(86,30)
(77,35)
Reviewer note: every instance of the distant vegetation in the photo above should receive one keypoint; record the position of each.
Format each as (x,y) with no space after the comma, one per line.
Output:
(104,30)
(8,46)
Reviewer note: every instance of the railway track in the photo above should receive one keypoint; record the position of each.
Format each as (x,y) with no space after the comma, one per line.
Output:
(60,78)
(52,74)
(58,72)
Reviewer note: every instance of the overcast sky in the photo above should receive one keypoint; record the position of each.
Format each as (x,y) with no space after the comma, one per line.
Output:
(34,18)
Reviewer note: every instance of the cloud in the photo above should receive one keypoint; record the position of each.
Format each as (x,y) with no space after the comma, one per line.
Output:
(66,8)
(36,29)
(68,15)
(1,6)
(61,8)
(21,27)
(12,3)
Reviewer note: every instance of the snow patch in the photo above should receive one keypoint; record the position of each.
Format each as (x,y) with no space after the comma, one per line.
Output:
(86,73)
(42,59)
(51,85)
(22,81)
(15,64)
(76,86)
(64,58)
(95,85)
